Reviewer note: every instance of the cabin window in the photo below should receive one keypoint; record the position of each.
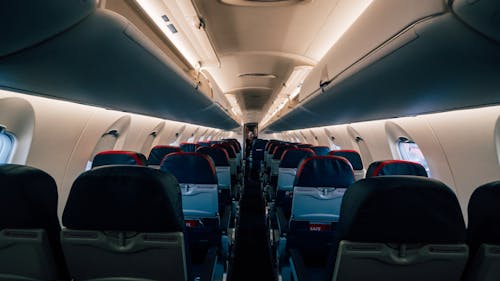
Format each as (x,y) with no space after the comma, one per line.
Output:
(410,151)
(7,141)
(107,142)
(335,147)
(191,139)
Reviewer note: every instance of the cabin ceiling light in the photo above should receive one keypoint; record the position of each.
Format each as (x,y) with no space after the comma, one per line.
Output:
(180,22)
(290,90)
(235,107)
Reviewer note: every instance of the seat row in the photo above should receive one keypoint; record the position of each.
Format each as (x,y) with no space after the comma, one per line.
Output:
(122,220)
(394,225)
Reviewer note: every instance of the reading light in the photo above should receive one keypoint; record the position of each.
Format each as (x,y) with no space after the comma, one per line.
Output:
(179,21)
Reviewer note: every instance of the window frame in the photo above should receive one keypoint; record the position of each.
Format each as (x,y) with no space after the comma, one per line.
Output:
(405,154)
(7,141)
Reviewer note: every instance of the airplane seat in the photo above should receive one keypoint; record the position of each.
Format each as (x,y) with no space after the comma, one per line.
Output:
(304,145)
(317,195)
(275,162)
(188,147)
(30,247)
(119,157)
(483,233)
(203,144)
(198,182)
(158,153)
(355,160)
(395,167)
(269,156)
(233,162)
(125,223)
(321,150)
(287,170)
(399,228)
(223,170)
(258,153)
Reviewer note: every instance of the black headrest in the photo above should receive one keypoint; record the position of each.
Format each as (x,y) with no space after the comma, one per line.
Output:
(188,147)
(395,167)
(229,149)
(159,152)
(321,150)
(484,216)
(324,171)
(124,198)
(304,145)
(118,157)
(351,155)
(401,209)
(293,156)
(28,198)
(218,155)
(190,167)
(280,149)
(203,144)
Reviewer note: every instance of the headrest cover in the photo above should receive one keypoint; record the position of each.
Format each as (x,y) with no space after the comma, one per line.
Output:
(401,209)
(484,216)
(351,155)
(229,149)
(324,171)
(203,144)
(118,157)
(124,198)
(292,157)
(272,146)
(321,150)
(235,141)
(190,167)
(159,152)
(280,149)
(218,155)
(395,167)
(304,145)
(28,198)
(188,147)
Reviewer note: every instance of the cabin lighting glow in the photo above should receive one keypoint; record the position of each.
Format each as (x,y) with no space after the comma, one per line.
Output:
(181,25)
(235,107)
(290,90)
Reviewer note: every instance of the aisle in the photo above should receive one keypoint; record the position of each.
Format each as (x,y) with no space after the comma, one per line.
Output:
(252,256)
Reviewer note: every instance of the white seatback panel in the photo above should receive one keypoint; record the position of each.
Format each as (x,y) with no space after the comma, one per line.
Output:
(317,203)
(199,200)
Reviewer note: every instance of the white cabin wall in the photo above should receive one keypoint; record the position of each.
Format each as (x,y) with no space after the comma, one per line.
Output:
(62,135)
(461,147)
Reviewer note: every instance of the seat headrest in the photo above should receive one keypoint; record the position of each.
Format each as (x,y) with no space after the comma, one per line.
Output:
(229,149)
(203,144)
(124,198)
(484,216)
(235,144)
(190,167)
(159,152)
(395,167)
(119,157)
(259,143)
(28,198)
(324,171)
(292,157)
(401,209)
(304,145)
(351,155)
(218,155)
(272,146)
(280,149)
(321,150)
(188,147)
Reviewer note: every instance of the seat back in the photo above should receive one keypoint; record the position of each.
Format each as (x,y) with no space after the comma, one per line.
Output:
(354,158)
(119,157)
(223,170)
(483,233)
(318,189)
(188,147)
(258,152)
(124,222)
(321,150)
(399,226)
(286,174)
(276,159)
(203,144)
(159,152)
(197,178)
(395,167)
(304,145)
(29,228)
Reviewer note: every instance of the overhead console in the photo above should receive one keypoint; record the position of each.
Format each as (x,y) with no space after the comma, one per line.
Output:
(75,52)
(401,58)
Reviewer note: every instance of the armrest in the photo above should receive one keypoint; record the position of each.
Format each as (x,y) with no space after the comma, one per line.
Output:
(297,265)
(281,221)
(226,219)
(208,266)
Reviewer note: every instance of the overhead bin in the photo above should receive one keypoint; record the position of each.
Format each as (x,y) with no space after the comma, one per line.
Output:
(435,64)
(100,60)
(481,15)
